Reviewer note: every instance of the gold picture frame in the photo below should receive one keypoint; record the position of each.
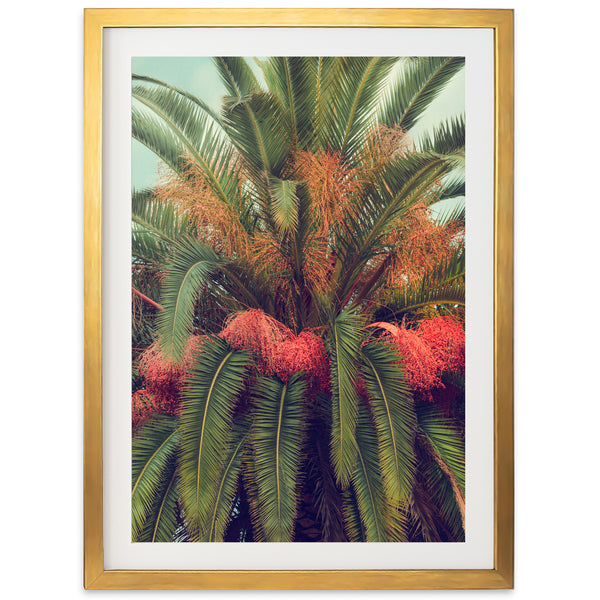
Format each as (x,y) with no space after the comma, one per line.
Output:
(501,576)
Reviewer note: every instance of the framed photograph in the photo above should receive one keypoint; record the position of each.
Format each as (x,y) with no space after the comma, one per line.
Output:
(298,299)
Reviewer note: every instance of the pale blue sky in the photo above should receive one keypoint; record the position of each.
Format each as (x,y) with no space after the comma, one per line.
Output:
(199,76)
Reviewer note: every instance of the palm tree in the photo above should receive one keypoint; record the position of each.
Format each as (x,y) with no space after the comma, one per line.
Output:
(285,274)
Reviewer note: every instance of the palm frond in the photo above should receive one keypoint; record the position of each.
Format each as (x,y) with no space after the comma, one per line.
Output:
(394,418)
(236,75)
(447,138)
(423,515)
(416,88)
(406,179)
(449,514)
(353,525)
(344,348)
(443,468)
(356,87)
(154,450)
(250,486)
(246,287)
(284,204)
(158,137)
(444,284)
(195,273)
(188,132)
(277,439)
(291,78)
(323,73)
(188,273)
(226,484)
(445,441)
(453,185)
(380,519)
(216,379)
(454,213)
(161,524)
(403,183)
(327,498)
(452,294)
(259,127)
(156,226)
(194,99)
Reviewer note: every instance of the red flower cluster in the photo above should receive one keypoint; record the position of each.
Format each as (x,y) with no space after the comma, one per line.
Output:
(430,349)
(142,406)
(446,339)
(164,381)
(278,350)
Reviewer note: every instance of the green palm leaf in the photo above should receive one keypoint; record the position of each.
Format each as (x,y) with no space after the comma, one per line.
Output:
(452,293)
(194,272)
(445,441)
(415,89)
(249,481)
(394,418)
(450,514)
(188,273)
(226,485)
(423,515)
(277,439)
(381,520)
(188,132)
(259,127)
(447,138)
(453,185)
(352,521)
(216,380)
(443,467)
(444,284)
(344,347)
(195,100)
(403,183)
(156,226)
(350,112)
(236,75)
(284,204)
(256,122)
(327,498)
(162,522)
(455,213)
(323,73)
(154,450)
(292,79)
(158,137)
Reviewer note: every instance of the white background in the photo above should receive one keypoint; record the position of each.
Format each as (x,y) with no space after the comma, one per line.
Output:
(556,327)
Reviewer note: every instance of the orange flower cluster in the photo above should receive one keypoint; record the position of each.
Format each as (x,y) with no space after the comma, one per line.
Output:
(384,144)
(217,222)
(422,244)
(332,186)
(278,351)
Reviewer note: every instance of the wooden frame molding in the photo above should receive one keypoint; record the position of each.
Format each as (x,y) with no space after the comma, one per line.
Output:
(501,576)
